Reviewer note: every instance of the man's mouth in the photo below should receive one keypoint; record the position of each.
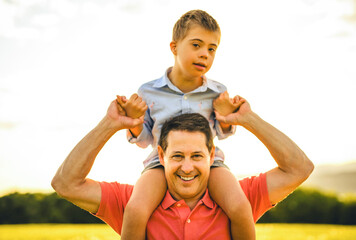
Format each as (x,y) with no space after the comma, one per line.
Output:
(187,178)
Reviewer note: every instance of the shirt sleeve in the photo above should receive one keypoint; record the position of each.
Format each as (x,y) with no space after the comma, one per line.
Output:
(219,132)
(255,189)
(114,197)
(144,139)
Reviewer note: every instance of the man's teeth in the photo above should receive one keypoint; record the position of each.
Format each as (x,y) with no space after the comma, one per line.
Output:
(187,178)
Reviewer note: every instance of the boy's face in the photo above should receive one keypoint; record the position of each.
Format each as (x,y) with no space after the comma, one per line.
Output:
(194,54)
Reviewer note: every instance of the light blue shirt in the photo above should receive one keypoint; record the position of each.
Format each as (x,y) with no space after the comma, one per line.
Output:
(165,100)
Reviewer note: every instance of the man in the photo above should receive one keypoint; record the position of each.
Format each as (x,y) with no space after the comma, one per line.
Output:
(186,151)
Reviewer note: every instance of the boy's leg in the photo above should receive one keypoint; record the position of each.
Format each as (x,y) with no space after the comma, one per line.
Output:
(147,194)
(228,194)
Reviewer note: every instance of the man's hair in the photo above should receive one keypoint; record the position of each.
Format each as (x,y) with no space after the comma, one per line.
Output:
(191,18)
(190,122)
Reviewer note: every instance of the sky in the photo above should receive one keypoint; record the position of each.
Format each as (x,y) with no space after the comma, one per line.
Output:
(63,62)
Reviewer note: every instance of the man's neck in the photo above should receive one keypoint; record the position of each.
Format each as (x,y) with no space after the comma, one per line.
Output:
(191,202)
(184,83)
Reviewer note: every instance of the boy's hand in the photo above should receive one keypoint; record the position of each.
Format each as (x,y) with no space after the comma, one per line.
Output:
(225,105)
(240,117)
(135,107)
(118,119)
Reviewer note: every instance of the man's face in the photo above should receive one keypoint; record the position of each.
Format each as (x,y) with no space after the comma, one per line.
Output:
(195,53)
(187,163)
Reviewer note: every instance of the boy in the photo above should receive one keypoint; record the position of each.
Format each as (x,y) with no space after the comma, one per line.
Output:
(184,88)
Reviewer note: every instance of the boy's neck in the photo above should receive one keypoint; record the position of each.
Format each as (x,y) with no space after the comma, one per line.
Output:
(185,84)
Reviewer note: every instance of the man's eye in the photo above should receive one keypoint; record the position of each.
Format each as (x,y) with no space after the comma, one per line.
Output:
(177,157)
(196,45)
(212,49)
(197,156)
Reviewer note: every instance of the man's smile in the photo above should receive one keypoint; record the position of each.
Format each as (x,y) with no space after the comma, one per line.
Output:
(187,178)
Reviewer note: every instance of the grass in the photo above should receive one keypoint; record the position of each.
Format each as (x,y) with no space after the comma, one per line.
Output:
(103,232)
(305,232)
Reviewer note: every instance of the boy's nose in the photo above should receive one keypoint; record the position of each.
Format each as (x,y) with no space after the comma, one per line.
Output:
(203,53)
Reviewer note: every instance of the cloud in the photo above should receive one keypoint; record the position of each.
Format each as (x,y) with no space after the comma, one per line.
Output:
(7,125)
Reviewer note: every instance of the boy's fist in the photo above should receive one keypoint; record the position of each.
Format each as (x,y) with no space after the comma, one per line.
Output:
(134,107)
(225,105)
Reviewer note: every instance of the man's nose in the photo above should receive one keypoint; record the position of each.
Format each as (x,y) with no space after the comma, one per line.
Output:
(187,166)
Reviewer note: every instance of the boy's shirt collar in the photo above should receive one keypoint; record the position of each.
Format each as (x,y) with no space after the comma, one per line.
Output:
(164,81)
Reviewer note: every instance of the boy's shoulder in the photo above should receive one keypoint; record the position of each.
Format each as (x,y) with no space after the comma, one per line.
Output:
(150,83)
(148,86)
(216,86)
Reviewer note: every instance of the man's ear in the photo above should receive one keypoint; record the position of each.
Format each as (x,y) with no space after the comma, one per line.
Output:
(160,154)
(173,46)
(212,155)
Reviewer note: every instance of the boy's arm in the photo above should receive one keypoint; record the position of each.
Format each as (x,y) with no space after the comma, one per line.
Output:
(135,106)
(224,105)
(145,138)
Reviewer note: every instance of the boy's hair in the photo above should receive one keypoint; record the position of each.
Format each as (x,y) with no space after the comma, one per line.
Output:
(190,122)
(194,17)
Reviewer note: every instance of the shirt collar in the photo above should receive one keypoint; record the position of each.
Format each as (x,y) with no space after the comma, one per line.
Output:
(168,200)
(164,81)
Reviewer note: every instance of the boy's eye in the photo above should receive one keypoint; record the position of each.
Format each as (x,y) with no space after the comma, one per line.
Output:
(196,45)
(212,49)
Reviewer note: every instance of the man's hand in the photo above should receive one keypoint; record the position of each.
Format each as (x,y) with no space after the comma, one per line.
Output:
(135,107)
(242,108)
(117,116)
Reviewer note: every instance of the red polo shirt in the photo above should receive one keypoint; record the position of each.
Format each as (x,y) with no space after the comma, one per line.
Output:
(174,220)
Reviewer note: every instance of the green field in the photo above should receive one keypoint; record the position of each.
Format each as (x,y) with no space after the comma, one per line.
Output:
(102,231)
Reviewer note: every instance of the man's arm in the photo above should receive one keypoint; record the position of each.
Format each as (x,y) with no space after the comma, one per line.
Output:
(70,181)
(294,167)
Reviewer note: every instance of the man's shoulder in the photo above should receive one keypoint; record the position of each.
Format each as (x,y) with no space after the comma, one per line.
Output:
(253,181)
(115,189)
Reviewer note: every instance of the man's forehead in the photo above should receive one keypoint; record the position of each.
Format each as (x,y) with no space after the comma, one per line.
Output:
(179,137)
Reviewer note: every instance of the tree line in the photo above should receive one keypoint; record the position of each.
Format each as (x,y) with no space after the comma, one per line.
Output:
(303,206)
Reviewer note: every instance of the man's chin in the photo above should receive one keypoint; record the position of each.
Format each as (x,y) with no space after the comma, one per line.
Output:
(189,192)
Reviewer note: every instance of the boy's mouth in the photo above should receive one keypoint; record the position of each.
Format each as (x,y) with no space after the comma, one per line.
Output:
(200,64)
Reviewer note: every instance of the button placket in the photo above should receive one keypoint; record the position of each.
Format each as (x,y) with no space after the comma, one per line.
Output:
(185,104)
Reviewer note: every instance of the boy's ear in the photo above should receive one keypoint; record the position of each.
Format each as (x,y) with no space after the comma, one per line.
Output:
(173,46)
(160,154)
